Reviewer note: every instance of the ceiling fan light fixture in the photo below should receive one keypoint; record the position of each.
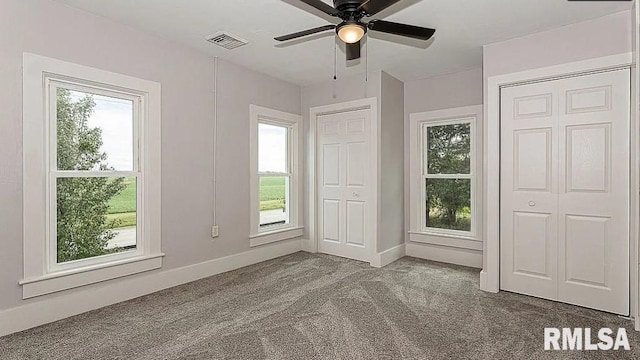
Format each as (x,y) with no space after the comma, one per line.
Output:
(352,28)
(351,33)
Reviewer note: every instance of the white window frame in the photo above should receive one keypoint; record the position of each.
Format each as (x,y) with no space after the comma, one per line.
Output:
(419,232)
(42,77)
(262,115)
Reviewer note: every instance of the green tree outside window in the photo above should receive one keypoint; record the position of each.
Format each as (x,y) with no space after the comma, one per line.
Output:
(448,201)
(82,202)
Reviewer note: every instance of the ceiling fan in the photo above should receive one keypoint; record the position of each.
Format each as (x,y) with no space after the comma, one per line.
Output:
(352,28)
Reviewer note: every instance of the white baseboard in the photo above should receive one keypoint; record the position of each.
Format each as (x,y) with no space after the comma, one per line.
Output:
(388,256)
(483,280)
(63,306)
(484,283)
(451,255)
(308,246)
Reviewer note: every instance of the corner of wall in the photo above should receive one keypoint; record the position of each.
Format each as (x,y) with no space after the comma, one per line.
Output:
(391,157)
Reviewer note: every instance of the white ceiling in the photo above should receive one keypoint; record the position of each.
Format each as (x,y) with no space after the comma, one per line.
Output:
(463,26)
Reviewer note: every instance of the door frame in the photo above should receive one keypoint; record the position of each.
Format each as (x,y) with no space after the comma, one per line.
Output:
(311,244)
(635,117)
(490,274)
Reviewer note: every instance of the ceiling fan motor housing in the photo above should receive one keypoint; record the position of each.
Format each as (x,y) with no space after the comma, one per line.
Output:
(347,5)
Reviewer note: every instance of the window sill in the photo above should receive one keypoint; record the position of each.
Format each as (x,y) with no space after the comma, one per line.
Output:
(275,235)
(444,239)
(69,279)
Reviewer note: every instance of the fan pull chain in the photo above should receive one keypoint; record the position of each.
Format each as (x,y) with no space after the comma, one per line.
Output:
(335,70)
(366,61)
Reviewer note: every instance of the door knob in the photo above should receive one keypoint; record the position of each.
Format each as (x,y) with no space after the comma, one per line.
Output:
(532,203)
(355,194)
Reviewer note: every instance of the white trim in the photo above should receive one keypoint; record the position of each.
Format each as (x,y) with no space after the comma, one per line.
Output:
(308,246)
(38,74)
(490,276)
(445,240)
(311,244)
(635,171)
(262,115)
(274,236)
(484,278)
(446,254)
(418,232)
(386,257)
(56,308)
(64,280)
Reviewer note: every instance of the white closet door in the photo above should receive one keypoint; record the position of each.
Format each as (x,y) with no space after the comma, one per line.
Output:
(593,237)
(344,181)
(529,190)
(565,190)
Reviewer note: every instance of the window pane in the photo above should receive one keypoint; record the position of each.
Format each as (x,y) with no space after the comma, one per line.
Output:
(274,204)
(448,149)
(94,132)
(272,149)
(95,216)
(448,204)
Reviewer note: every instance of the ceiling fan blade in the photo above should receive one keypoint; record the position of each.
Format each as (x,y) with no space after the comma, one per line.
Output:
(305,33)
(353,51)
(372,7)
(318,4)
(411,31)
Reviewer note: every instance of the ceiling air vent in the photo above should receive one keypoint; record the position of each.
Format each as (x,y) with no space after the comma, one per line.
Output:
(227,40)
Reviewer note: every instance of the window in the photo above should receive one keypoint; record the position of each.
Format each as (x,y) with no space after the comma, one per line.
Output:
(94,178)
(447,175)
(92,188)
(274,171)
(445,179)
(275,175)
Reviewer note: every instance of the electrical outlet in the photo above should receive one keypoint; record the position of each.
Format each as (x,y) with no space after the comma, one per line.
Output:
(214,231)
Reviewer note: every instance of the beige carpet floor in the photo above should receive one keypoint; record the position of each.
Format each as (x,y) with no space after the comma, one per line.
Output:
(310,306)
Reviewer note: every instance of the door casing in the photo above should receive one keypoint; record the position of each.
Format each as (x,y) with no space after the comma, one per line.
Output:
(490,274)
(311,244)
(542,196)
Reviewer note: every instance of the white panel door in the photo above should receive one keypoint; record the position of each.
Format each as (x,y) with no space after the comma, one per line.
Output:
(593,216)
(529,196)
(565,190)
(344,214)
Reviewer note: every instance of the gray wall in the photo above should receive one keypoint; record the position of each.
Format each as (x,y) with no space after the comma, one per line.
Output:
(390,94)
(608,35)
(187,77)
(440,92)
(604,36)
(237,88)
(391,182)
(331,92)
(458,89)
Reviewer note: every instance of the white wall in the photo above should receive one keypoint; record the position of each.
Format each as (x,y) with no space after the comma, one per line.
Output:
(458,89)
(50,29)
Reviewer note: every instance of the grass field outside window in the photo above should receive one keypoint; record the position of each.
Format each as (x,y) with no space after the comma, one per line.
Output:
(122,207)
(272,193)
